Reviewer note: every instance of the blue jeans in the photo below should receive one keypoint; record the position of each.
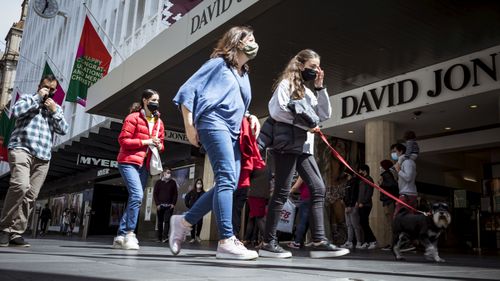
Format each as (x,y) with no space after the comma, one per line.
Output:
(303,221)
(135,178)
(224,155)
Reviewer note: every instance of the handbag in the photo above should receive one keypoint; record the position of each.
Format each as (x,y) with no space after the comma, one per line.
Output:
(155,166)
(287,217)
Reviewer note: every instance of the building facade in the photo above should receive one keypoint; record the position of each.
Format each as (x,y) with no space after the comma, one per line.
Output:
(390,67)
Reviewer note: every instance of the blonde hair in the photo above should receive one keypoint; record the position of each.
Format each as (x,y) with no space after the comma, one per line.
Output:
(293,74)
(227,46)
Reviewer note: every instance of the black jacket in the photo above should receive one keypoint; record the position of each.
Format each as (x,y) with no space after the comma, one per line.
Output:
(281,137)
(351,192)
(388,184)
(192,197)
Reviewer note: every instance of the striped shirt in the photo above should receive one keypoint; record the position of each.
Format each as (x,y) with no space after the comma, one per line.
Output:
(35,126)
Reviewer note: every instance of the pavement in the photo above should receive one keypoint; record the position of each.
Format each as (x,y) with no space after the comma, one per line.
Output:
(56,258)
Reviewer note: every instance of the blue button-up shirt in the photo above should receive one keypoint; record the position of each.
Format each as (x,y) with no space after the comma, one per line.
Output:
(35,126)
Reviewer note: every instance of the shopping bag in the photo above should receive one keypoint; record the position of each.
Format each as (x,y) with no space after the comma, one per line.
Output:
(287,217)
(155,167)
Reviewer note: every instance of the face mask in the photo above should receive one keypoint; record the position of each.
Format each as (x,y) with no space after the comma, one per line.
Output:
(251,50)
(166,176)
(394,156)
(153,106)
(381,170)
(198,186)
(308,74)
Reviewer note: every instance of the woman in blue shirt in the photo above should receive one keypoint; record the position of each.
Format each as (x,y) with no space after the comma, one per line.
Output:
(214,101)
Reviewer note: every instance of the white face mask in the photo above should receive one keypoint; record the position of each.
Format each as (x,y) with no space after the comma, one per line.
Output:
(166,176)
(394,156)
(199,185)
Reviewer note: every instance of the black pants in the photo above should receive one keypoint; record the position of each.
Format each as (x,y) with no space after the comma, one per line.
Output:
(364,214)
(308,170)
(164,215)
(196,230)
(255,229)
(43,225)
(239,199)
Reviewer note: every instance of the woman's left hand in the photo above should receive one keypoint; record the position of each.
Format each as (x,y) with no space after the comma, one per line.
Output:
(254,124)
(318,83)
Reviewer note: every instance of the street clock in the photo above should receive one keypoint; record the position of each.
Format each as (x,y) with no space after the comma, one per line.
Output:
(46,8)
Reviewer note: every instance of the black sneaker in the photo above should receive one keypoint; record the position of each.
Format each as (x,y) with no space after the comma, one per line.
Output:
(273,250)
(18,241)
(4,239)
(325,249)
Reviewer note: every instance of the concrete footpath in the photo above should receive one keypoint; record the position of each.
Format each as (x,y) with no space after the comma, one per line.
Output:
(72,259)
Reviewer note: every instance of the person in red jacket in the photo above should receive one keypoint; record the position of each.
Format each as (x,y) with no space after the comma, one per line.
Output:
(141,129)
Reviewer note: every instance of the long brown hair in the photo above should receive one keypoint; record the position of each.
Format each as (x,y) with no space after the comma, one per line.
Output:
(227,46)
(293,74)
(146,94)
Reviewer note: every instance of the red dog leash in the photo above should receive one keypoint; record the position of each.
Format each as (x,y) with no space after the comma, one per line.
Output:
(342,160)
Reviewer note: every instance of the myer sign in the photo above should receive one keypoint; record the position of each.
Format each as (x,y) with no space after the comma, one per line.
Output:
(98,162)
(468,75)
(174,136)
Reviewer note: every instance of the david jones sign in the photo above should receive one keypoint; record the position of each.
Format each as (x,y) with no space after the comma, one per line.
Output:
(467,75)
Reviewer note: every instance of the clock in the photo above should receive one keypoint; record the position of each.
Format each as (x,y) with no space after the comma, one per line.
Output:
(46,8)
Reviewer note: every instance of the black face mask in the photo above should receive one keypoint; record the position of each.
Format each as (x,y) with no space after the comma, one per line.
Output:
(308,74)
(153,106)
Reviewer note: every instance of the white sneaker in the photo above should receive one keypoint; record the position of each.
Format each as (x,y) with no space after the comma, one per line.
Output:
(192,241)
(198,239)
(233,249)
(178,232)
(372,245)
(131,242)
(360,246)
(347,245)
(118,242)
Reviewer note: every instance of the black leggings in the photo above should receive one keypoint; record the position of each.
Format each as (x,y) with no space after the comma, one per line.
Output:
(364,215)
(308,170)
(196,230)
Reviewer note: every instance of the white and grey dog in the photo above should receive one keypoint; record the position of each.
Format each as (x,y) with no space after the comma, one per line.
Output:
(426,229)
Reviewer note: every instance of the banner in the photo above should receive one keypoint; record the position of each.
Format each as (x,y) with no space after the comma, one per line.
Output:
(59,94)
(7,123)
(91,64)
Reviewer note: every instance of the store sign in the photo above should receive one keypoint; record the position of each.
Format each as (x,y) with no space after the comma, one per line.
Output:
(97,162)
(174,136)
(210,14)
(468,75)
(103,172)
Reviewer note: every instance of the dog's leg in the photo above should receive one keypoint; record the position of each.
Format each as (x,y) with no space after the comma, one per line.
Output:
(396,242)
(431,252)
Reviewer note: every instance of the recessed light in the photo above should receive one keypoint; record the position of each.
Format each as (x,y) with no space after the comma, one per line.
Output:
(473,106)
(447,128)
(415,118)
(350,132)
(470,179)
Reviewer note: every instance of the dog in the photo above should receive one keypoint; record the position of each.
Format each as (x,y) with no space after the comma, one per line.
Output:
(425,228)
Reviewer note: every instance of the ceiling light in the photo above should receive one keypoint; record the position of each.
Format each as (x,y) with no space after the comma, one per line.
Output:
(447,128)
(470,179)
(350,132)
(473,106)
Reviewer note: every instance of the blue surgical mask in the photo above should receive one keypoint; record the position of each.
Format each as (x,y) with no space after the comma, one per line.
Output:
(394,156)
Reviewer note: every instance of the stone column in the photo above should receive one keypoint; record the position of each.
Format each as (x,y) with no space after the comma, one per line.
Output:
(209,229)
(379,135)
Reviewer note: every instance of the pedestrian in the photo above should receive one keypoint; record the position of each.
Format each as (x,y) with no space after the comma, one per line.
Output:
(165,197)
(389,184)
(72,221)
(407,173)
(293,143)
(354,231)
(365,207)
(38,119)
(412,148)
(305,205)
(190,200)
(141,130)
(213,102)
(45,217)
(65,222)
